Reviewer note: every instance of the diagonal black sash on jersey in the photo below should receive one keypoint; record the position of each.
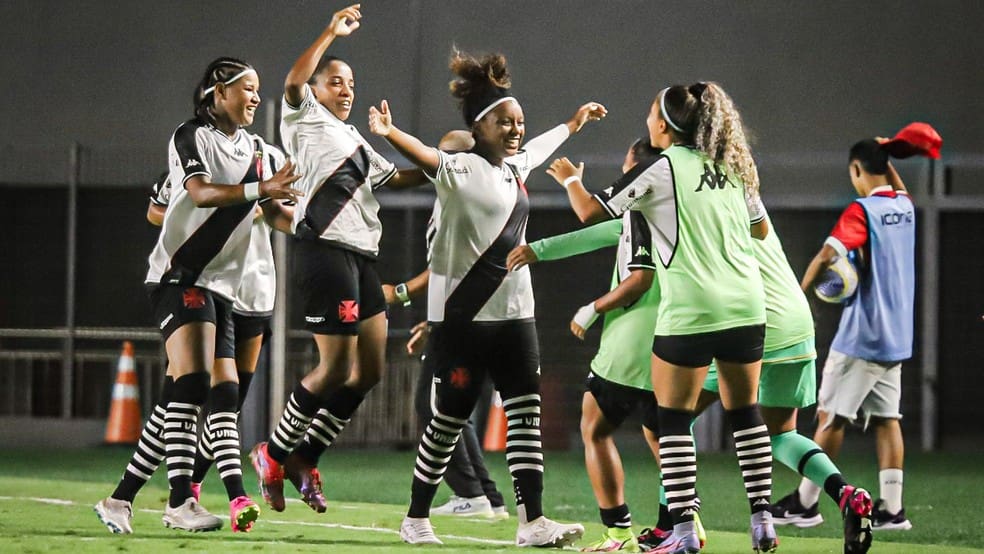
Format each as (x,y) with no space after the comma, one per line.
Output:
(335,192)
(207,241)
(488,272)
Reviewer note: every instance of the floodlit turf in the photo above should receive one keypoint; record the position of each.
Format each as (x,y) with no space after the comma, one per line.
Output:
(46,502)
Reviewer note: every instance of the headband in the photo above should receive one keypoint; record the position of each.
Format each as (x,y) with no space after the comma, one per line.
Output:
(662,110)
(492,106)
(234,78)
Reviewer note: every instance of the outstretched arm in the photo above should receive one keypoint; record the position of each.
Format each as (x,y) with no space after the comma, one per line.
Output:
(628,291)
(563,246)
(343,23)
(588,209)
(540,148)
(421,155)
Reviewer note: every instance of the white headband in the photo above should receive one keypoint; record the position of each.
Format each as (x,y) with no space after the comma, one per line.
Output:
(662,110)
(492,106)
(234,78)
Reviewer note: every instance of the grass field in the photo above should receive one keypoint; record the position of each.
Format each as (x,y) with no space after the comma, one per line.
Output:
(46,502)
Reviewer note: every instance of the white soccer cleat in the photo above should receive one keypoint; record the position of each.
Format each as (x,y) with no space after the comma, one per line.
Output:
(418,530)
(115,514)
(190,516)
(478,506)
(543,532)
(500,512)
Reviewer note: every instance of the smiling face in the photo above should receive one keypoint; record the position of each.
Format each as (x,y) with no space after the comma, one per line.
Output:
(500,132)
(236,103)
(334,88)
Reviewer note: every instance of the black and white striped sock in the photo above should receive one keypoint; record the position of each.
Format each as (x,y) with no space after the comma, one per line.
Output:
(678,463)
(433,455)
(222,429)
(180,433)
(294,422)
(754,450)
(335,413)
(524,454)
(149,452)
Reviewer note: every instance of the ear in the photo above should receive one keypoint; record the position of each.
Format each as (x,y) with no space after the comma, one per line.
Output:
(856,169)
(219,90)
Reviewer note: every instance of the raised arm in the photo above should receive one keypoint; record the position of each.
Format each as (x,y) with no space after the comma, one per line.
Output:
(343,23)
(541,147)
(421,155)
(628,291)
(588,209)
(895,180)
(155,213)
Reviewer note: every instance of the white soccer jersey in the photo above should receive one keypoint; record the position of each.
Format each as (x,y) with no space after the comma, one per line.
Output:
(208,247)
(339,171)
(634,245)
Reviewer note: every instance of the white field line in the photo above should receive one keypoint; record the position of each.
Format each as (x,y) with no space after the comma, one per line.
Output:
(63,502)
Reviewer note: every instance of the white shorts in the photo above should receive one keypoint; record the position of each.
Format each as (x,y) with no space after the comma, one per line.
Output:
(851,384)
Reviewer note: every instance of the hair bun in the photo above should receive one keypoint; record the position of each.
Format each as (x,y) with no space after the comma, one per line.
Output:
(697,89)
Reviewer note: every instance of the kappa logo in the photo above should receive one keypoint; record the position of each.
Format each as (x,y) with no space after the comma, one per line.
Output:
(714,179)
(192,162)
(642,251)
(240,153)
(608,191)
(348,311)
(760,502)
(194,298)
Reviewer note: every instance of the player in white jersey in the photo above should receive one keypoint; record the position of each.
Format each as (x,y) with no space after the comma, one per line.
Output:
(217,172)
(333,261)
(481,314)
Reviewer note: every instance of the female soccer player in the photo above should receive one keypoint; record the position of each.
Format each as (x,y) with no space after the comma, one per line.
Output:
(337,230)
(700,198)
(482,314)
(217,172)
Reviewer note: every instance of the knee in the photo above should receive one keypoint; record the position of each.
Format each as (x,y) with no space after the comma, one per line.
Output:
(362,381)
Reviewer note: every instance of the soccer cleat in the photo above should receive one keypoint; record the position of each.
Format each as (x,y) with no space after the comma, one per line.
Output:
(500,512)
(271,476)
(307,480)
(855,505)
(478,506)
(764,537)
(615,539)
(651,538)
(190,516)
(790,511)
(115,514)
(683,540)
(196,491)
(418,530)
(544,532)
(242,513)
(883,520)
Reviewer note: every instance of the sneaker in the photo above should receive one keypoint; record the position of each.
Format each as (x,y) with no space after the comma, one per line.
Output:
(855,506)
(477,506)
(242,513)
(500,512)
(545,532)
(196,491)
(882,520)
(764,537)
(307,480)
(615,539)
(418,530)
(651,538)
(115,514)
(190,516)
(683,540)
(271,475)
(790,511)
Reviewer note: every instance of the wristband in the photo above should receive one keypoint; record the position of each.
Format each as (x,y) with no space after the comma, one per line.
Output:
(251,191)
(402,294)
(567,182)
(586,315)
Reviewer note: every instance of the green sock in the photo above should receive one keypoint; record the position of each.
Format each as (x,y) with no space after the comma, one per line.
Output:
(803,456)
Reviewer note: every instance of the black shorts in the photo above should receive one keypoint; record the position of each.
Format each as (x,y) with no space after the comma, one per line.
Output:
(177,305)
(618,401)
(740,345)
(339,288)
(250,326)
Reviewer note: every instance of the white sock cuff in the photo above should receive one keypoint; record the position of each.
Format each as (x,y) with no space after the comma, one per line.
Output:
(809,493)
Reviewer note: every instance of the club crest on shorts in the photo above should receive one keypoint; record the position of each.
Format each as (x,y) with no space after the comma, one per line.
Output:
(348,311)
(460,377)
(194,298)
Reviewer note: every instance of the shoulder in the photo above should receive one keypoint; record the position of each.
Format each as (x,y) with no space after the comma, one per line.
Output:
(189,129)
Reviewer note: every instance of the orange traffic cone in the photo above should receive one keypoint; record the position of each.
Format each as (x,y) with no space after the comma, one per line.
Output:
(495,426)
(123,425)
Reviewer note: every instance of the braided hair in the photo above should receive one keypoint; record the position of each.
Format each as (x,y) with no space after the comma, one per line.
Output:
(219,71)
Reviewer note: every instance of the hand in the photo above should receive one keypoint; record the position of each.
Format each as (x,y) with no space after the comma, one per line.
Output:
(418,338)
(381,120)
(585,316)
(592,111)
(562,168)
(279,186)
(520,256)
(389,294)
(345,21)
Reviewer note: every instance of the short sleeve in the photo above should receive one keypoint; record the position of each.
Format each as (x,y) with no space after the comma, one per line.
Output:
(641,240)
(188,152)
(851,230)
(380,169)
(160,191)
(452,170)
(655,176)
(756,209)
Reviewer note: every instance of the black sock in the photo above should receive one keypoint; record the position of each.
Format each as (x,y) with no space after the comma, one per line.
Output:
(618,516)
